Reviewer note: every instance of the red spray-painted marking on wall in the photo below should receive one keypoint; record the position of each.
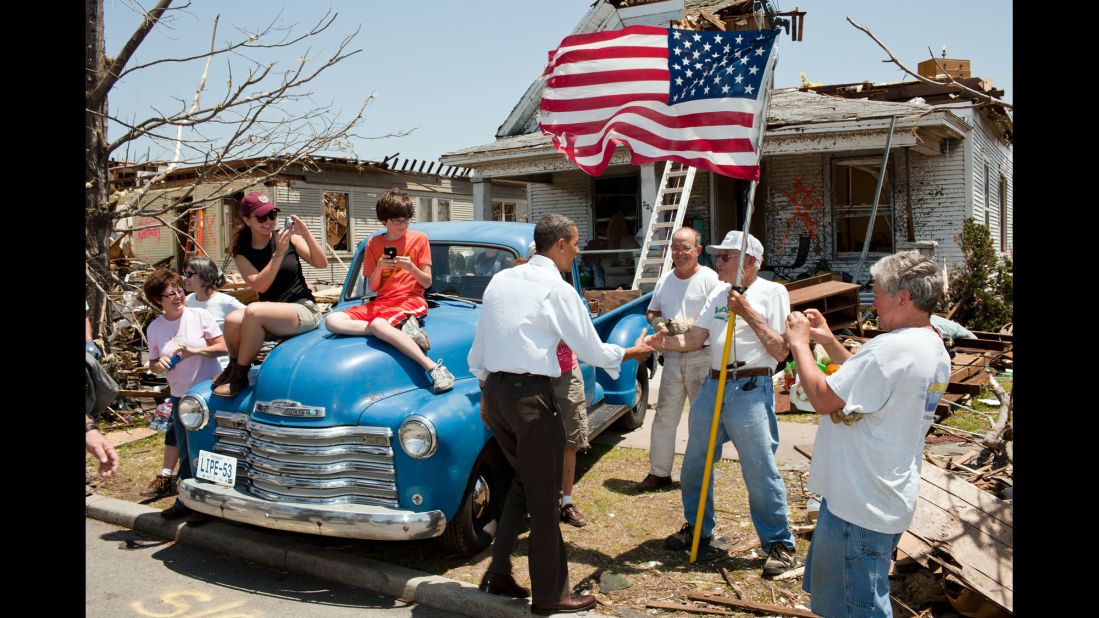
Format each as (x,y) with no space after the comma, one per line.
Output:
(152,232)
(803,201)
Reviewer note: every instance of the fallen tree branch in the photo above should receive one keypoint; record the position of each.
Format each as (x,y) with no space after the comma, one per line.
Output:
(994,439)
(960,87)
(689,608)
(791,574)
(759,608)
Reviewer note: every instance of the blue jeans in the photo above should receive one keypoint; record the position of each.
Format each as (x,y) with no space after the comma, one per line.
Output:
(748,418)
(847,569)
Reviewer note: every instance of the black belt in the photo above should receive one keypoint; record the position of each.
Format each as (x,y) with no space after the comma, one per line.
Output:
(521,376)
(732,374)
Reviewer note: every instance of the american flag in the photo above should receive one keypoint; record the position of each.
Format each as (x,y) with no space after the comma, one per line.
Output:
(666,94)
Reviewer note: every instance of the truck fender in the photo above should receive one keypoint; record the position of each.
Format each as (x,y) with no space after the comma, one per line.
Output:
(620,391)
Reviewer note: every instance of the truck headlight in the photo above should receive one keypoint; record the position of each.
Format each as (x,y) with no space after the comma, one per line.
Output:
(193,413)
(417,437)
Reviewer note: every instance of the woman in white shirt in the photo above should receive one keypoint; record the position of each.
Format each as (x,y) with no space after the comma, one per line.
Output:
(200,278)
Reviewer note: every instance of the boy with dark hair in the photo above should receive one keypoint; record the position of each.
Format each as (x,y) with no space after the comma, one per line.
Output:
(397,266)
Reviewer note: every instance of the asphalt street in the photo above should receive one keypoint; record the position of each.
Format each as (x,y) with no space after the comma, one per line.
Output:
(128,573)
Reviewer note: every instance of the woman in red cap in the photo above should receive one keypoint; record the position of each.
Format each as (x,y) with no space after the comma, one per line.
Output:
(268,259)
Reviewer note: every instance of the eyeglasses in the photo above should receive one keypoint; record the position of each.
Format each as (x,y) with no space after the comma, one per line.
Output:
(400,220)
(725,257)
(188,274)
(173,293)
(270,216)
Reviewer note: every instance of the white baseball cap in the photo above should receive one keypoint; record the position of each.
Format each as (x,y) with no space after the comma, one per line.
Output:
(733,241)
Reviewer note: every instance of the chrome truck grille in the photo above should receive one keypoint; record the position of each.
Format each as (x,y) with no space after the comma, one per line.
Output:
(328,465)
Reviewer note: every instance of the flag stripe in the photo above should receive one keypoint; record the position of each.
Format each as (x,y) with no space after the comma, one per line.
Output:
(565,105)
(607,77)
(684,143)
(682,121)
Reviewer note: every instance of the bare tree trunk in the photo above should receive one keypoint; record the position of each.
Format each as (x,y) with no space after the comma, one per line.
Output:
(96,206)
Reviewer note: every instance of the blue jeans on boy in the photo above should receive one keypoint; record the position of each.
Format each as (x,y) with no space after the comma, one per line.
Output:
(847,569)
(748,418)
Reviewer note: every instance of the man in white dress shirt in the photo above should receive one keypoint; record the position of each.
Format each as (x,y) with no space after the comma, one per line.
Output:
(527,311)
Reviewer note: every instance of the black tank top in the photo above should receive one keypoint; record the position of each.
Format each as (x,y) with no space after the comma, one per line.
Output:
(289,284)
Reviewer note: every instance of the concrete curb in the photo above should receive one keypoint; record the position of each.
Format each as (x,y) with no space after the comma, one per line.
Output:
(258,545)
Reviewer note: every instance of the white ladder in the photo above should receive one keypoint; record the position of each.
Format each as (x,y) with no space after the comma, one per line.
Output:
(667,216)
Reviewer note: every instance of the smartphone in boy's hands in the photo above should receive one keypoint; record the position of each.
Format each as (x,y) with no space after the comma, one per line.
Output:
(390,252)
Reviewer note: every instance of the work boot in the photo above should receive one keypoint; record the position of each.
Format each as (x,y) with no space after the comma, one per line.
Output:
(238,381)
(441,378)
(412,328)
(780,560)
(653,482)
(681,541)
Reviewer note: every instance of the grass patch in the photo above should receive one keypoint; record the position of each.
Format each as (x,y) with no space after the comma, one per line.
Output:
(625,534)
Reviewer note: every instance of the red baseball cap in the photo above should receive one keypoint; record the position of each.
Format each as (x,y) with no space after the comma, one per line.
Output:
(255,204)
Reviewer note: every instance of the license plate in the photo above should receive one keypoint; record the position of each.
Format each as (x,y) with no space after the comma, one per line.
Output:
(220,469)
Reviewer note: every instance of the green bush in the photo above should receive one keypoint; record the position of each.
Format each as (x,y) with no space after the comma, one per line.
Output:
(983,287)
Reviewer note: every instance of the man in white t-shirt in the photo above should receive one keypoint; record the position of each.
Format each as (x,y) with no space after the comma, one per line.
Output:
(868,453)
(679,295)
(748,403)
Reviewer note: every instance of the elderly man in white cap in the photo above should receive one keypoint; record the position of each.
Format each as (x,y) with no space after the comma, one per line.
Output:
(748,410)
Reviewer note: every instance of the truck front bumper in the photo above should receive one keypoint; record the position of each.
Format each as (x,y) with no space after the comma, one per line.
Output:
(353,521)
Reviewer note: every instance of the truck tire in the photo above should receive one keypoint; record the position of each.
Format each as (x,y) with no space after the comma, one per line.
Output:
(481,505)
(636,416)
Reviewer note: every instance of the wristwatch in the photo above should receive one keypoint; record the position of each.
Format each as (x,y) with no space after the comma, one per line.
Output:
(90,427)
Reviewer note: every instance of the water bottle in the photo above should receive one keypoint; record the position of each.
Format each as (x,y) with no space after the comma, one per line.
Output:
(172,362)
(162,416)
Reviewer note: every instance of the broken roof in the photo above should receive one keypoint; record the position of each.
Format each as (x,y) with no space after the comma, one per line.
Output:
(789,108)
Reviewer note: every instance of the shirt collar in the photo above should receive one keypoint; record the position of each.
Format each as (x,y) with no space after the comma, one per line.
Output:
(542,261)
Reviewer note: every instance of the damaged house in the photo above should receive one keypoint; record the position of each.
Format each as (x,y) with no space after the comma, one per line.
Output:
(821,152)
(335,197)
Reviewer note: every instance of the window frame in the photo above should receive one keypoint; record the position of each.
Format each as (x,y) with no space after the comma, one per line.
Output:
(855,211)
(349,238)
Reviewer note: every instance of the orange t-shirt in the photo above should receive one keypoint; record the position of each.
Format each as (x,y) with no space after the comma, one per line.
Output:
(397,283)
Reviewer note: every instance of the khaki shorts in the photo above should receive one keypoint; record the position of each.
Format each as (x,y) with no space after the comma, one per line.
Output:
(568,395)
(309,315)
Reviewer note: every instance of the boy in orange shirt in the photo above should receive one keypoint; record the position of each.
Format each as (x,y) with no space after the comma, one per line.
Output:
(397,265)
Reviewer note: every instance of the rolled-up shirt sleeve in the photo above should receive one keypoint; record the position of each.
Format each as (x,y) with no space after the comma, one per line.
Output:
(569,315)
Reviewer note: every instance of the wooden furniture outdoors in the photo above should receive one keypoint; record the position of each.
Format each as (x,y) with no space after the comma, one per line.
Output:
(827,293)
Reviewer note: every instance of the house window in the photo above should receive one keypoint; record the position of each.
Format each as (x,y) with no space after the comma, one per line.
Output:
(337,231)
(853,182)
(432,209)
(423,210)
(503,211)
(988,198)
(1003,212)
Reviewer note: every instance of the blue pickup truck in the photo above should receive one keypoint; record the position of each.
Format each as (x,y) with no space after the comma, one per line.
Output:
(342,436)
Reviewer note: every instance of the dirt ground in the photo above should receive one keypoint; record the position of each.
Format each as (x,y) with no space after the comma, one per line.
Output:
(624,537)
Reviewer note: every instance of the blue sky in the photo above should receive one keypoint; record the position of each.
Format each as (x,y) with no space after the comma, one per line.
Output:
(453,70)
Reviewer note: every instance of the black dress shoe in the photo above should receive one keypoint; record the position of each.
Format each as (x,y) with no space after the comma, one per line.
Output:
(503,585)
(571,603)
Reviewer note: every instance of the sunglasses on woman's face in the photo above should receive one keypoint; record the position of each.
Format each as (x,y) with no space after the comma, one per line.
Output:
(270,216)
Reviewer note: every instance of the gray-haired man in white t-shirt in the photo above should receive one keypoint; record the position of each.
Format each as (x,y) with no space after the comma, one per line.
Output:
(679,296)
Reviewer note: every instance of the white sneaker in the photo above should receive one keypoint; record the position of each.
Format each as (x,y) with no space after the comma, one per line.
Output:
(412,329)
(441,378)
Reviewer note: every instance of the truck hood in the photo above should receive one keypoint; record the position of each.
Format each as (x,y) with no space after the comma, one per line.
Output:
(346,374)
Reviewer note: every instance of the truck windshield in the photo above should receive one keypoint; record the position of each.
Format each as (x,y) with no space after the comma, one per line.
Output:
(461,270)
